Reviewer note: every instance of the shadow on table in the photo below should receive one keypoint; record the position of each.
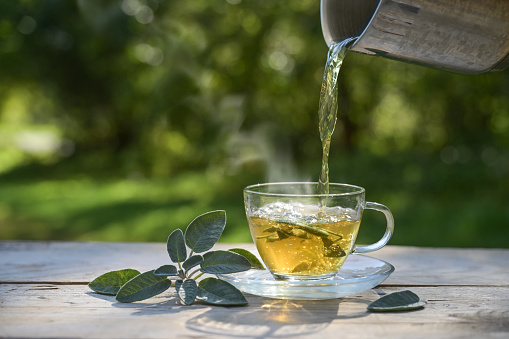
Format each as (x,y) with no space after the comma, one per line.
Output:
(277,318)
(161,304)
(263,317)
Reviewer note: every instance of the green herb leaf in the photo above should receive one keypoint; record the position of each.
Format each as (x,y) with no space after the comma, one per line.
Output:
(219,292)
(273,237)
(310,229)
(204,231)
(303,266)
(110,283)
(301,234)
(223,262)
(186,290)
(142,287)
(167,270)
(192,261)
(397,301)
(282,235)
(176,246)
(332,249)
(253,260)
(270,229)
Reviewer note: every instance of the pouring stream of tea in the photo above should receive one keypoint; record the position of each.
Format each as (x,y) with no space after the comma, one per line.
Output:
(327,111)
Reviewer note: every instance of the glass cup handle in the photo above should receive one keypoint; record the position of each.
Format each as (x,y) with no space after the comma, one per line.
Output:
(388,232)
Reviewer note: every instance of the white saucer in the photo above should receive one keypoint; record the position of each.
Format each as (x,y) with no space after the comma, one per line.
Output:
(359,273)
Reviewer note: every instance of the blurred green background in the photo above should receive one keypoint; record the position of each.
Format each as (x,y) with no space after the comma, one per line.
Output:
(123,120)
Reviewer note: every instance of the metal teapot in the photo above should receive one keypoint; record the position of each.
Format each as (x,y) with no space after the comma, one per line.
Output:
(461,36)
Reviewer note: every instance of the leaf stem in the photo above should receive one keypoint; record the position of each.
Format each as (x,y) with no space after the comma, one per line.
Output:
(193,273)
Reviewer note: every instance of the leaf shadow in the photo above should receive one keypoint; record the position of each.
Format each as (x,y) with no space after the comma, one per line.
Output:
(166,303)
(101,296)
(168,306)
(277,318)
(262,318)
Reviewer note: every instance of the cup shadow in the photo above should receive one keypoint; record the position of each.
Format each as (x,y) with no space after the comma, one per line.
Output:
(277,318)
(263,317)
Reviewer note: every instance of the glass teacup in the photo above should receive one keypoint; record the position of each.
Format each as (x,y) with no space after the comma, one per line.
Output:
(301,235)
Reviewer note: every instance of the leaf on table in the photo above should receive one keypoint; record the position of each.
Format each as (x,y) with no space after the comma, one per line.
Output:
(110,283)
(186,290)
(224,262)
(397,301)
(218,292)
(176,246)
(167,270)
(204,231)
(142,287)
(253,260)
(191,262)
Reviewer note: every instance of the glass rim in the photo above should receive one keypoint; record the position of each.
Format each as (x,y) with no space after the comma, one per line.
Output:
(250,189)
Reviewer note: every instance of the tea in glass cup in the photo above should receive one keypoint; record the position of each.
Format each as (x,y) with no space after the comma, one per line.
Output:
(301,234)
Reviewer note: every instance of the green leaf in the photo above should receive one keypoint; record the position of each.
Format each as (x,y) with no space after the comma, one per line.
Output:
(310,229)
(142,287)
(167,270)
(186,290)
(223,262)
(397,301)
(192,261)
(109,283)
(204,231)
(176,246)
(253,260)
(219,292)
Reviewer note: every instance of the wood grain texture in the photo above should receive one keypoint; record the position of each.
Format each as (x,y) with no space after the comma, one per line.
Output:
(75,261)
(60,311)
(83,261)
(43,295)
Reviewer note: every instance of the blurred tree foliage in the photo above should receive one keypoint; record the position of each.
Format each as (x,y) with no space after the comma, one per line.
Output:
(207,96)
(166,86)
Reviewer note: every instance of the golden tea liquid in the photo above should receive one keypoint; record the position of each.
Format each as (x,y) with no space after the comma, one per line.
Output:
(328,107)
(303,247)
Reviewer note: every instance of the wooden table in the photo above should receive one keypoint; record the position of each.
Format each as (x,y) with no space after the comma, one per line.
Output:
(44,294)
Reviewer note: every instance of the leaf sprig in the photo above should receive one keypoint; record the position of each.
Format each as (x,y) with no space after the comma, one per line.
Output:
(200,236)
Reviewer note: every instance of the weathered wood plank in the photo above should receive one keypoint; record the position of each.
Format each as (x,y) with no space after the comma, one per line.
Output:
(467,292)
(74,261)
(446,266)
(58,311)
(83,261)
